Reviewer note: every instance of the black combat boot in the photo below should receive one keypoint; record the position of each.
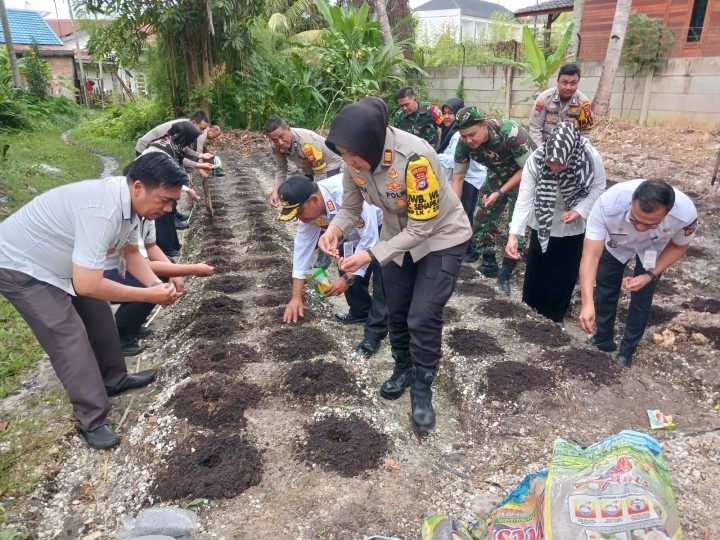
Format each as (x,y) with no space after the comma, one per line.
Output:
(504,275)
(402,375)
(489,266)
(423,415)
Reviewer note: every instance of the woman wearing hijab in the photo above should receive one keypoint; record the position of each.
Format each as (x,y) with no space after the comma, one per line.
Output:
(475,177)
(424,236)
(179,136)
(560,183)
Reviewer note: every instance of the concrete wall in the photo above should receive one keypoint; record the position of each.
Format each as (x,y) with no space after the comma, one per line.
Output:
(683,93)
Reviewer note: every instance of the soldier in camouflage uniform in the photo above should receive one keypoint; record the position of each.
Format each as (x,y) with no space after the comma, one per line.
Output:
(421,118)
(502,146)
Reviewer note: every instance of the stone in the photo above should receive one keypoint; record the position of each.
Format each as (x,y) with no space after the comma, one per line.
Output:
(174,522)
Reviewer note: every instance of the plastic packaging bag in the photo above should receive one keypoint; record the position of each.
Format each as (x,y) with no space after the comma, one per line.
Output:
(616,489)
(519,515)
(320,280)
(444,528)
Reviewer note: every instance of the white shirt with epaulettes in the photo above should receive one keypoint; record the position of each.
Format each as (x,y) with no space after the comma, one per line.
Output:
(363,236)
(610,221)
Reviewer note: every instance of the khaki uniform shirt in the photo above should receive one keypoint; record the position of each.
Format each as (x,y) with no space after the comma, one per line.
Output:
(309,153)
(549,110)
(421,213)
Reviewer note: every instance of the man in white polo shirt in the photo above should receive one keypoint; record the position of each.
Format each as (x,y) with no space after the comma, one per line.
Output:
(646,218)
(315,204)
(52,255)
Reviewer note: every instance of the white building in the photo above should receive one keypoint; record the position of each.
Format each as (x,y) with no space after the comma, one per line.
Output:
(469,18)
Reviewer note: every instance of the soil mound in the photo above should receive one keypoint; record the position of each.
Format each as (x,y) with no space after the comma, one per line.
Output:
(221,305)
(666,288)
(216,326)
(474,288)
(710,332)
(451,315)
(228,283)
(544,334)
(272,298)
(221,357)
(217,233)
(307,380)
(507,380)
(501,309)
(703,305)
(278,280)
(274,316)
(477,343)
(467,272)
(266,247)
(220,262)
(264,263)
(347,446)
(210,466)
(215,401)
(291,344)
(594,366)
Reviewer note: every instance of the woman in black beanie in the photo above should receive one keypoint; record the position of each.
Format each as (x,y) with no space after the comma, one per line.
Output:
(424,236)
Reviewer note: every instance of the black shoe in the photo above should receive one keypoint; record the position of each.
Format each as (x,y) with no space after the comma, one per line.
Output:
(368,346)
(625,360)
(179,216)
(607,346)
(131,348)
(489,267)
(402,376)
(136,380)
(100,438)
(143,332)
(470,257)
(423,414)
(506,271)
(349,318)
(560,325)
(181,225)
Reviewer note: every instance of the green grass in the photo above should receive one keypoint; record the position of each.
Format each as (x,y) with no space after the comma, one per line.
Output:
(123,151)
(29,448)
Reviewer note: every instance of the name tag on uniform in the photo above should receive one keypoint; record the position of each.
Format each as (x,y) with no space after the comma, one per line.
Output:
(347,250)
(122,266)
(650,258)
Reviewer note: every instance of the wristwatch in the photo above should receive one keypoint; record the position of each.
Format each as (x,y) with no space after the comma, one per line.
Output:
(501,195)
(349,281)
(157,282)
(653,277)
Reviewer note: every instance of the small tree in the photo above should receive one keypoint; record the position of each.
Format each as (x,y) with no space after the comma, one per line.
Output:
(539,68)
(647,41)
(37,71)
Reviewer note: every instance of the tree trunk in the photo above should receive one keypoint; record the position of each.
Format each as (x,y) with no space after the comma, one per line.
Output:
(17,81)
(601,103)
(203,102)
(384,24)
(574,50)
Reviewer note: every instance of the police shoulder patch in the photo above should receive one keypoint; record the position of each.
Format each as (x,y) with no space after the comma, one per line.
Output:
(360,224)
(690,229)
(423,189)
(331,206)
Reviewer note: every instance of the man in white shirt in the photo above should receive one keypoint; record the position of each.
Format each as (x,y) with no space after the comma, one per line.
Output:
(52,256)
(646,218)
(315,205)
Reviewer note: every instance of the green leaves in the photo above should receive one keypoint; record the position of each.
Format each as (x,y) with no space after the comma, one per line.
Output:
(539,69)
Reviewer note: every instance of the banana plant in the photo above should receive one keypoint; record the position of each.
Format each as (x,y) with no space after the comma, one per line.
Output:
(538,68)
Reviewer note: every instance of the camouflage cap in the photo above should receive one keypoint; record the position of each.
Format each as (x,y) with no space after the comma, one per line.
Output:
(470,116)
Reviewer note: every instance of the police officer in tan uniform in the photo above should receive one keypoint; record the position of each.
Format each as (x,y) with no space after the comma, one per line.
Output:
(303,147)
(424,237)
(564,103)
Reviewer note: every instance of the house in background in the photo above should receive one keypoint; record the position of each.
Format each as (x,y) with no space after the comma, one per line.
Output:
(696,24)
(26,26)
(470,18)
(105,76)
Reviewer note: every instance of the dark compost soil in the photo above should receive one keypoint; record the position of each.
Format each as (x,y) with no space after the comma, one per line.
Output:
(228,283)
(210,466)
(544,334)
(347,446)
(501,309)
(469,342)
(221,357)
(291,344)
(312,379)
(594,366)
(507,380)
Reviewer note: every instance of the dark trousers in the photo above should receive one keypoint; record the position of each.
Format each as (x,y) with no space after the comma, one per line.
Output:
(550,277)
(166,233)
(607,292)
(416,294)
(130,316)
(468,199)
(374,307)
(78,333)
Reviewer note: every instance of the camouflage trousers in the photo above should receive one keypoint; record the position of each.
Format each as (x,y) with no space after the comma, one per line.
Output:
(487,222)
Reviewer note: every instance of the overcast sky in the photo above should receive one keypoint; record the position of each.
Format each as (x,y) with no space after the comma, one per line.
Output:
(63,10)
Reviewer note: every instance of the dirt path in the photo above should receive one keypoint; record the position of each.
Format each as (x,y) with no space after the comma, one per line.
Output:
(283,446)
(110,164)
